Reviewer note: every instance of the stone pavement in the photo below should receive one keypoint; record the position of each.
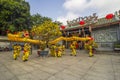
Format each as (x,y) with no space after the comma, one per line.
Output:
(103,66)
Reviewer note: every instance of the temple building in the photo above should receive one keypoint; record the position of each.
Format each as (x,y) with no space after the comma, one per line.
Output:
(105,30)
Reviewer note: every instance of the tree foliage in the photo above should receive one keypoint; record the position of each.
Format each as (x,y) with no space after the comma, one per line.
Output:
(37,19)
(58,22)
(46,32)
(14,15)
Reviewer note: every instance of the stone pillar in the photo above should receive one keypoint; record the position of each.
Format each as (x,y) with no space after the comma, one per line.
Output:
(119,31)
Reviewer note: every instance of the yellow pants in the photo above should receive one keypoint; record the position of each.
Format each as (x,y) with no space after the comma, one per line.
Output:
(18,53)
(63,52)
(15,55)
(55,53)
(52,52)
(90,51)
(25,56)
(73,52)
(59,53)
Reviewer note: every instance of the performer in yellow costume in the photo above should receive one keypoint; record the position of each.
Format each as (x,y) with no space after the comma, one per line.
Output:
(89,45)
(73,48)
(26,52)
(29,49)
(18,50)
(53,50)
(59,52)
(63,49)
(15,55)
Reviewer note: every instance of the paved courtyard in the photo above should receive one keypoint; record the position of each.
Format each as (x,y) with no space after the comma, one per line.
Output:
(103,66)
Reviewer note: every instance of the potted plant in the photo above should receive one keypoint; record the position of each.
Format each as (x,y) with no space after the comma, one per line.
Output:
(117,46)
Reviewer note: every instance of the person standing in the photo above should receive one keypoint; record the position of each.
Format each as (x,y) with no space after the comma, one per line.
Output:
(63,49)
(73,48)
(59,52)
(89,46)
(26,52)
(18,50)
(81,34)
(15,55)
(87,31)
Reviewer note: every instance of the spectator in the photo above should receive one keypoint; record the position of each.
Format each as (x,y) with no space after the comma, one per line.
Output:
(87,31)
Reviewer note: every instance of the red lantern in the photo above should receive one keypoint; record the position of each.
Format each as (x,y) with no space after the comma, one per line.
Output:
(81,22)
(109,16)
(62,27)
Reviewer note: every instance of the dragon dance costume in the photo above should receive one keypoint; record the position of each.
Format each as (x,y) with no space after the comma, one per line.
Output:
(26,52)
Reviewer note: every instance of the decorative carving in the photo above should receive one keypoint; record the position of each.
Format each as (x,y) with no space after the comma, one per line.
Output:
(88,20)
(106,35)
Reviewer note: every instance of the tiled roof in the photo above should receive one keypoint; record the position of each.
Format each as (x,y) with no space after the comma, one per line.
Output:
(100,22)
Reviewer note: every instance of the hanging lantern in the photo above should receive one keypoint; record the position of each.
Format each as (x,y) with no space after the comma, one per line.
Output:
(109,16)
(82,22)
(62,27)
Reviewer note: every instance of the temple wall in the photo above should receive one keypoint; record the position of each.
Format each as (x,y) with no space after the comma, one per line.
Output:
(106,36)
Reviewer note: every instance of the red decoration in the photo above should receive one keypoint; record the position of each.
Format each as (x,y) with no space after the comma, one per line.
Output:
(24,51)
(91,38)
(26,34)
(15,32)
(81,22)
(109,16)
(62,27)
(7,31)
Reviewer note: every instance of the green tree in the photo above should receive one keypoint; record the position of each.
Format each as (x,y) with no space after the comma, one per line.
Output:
(14,15)
(37,19)
(58,22)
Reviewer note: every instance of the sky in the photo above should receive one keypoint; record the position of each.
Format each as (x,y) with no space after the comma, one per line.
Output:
(63,10)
